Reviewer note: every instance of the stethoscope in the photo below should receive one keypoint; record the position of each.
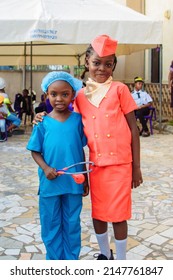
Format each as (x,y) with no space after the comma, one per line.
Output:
(78,177)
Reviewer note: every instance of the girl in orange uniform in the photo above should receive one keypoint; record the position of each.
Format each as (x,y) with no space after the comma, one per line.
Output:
(107,110)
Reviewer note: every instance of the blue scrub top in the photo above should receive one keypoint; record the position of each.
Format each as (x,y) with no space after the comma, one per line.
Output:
(61,144)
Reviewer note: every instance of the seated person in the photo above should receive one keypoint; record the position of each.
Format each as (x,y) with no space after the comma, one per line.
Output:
(143,101)
(12,119)
(11,116)
(3,115)
(42,105)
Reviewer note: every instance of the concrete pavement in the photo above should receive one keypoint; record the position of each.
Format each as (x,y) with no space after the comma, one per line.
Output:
(151,226)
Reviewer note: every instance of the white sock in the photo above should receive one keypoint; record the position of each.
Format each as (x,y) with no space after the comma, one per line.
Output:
(121,249)
(103,242)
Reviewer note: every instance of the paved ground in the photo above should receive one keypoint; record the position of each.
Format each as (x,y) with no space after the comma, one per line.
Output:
(150,229)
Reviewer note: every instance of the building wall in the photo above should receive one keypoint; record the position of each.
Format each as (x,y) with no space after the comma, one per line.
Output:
(159,10)
(135,65)
(128,66)
(14,81)
(139,63)
(132,65)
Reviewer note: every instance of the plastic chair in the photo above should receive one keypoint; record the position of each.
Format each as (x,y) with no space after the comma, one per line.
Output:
(151,117)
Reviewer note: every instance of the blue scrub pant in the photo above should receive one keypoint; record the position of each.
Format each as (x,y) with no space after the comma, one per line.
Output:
(14,119)
(60,226)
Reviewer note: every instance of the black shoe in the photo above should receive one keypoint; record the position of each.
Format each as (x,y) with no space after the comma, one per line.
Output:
(9,133)
(103,257)
(145,133)
(3,137)
(3,140)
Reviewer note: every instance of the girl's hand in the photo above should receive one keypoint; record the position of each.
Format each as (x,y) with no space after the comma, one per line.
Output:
(50,173)
(86,188)
(39,117)
(136,178)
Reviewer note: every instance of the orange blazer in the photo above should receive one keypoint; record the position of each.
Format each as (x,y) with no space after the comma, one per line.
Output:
(106,128)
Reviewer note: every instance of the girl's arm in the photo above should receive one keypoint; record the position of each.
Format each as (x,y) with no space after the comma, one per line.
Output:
(50,172)
(136,171)
(39,117)
(85,184)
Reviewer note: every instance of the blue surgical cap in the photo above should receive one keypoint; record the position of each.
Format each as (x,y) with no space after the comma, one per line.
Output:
(60,76)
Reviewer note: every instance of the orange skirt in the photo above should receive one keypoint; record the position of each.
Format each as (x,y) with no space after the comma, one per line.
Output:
(110,190)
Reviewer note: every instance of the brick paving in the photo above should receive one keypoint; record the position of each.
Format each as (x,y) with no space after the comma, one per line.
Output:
(150,229)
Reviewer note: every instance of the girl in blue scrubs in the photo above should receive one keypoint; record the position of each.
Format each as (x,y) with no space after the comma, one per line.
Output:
(55,143)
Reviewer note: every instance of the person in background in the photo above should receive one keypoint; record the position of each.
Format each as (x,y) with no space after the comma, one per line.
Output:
(143,101)
(55,143)
(18,104)
(12,119)
(27,106)
(5,95)
(170,82)
(107,110)
(48,106)
(42,105)
(2,88)
(32,93)
(3,115)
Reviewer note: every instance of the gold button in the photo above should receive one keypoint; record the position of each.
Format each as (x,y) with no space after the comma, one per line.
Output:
(96,135)
(107,115)
(99,155)
(93,117)
(108,135)
(111,153)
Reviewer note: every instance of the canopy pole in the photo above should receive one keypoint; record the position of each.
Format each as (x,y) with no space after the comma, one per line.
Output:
(78,59)
(160,88)
(24,68)
(31,68)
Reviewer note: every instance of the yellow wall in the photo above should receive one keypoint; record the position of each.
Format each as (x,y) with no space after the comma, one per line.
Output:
(132,65)
(160,10)
(14,82)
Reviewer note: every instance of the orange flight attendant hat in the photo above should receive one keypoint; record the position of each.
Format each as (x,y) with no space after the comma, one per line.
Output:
(104,45)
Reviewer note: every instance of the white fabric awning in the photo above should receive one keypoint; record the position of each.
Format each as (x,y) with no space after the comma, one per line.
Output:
(60,31)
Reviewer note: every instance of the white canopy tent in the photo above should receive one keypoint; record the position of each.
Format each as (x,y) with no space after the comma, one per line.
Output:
(61,30)
(39,32)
